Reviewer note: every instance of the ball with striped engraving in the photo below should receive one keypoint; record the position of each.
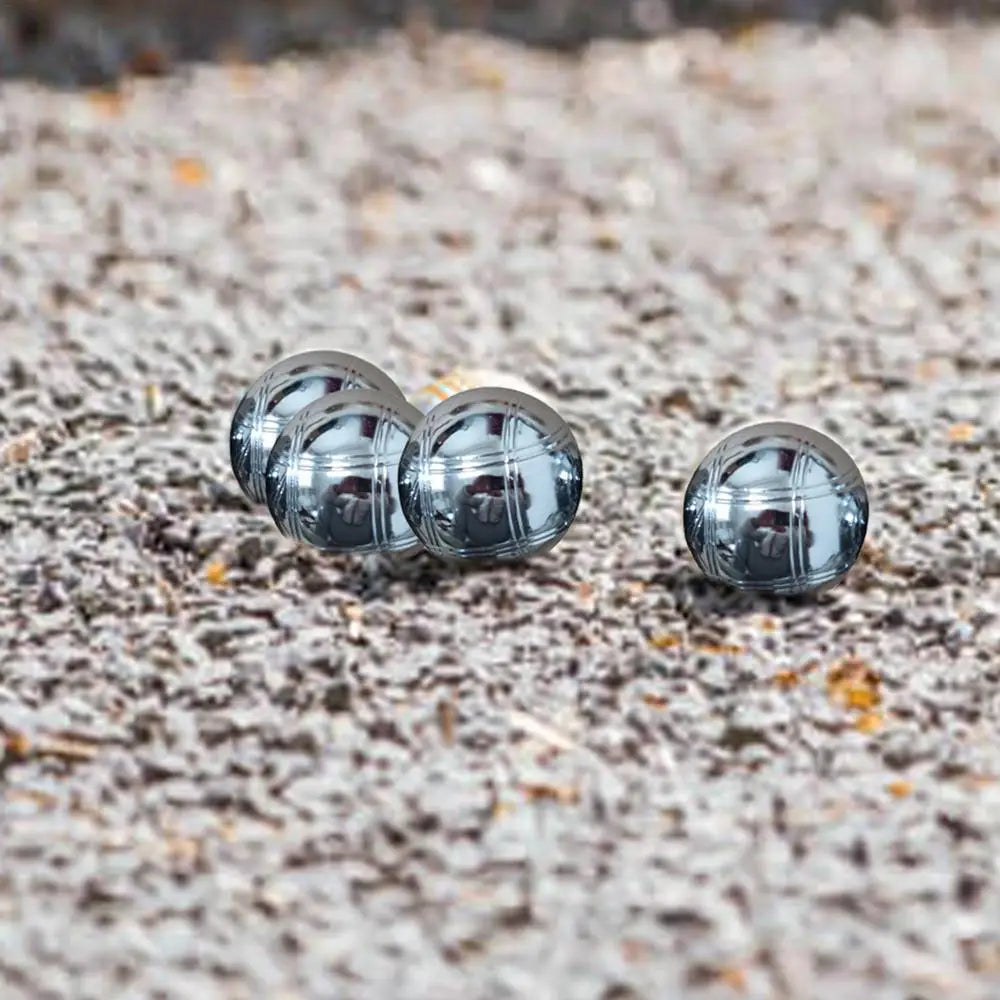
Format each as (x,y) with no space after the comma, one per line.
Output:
(776,507)
(280,393)
(332,473)
(491,474)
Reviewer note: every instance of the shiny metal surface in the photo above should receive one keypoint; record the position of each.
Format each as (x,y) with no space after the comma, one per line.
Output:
(776,507)
(331,476)
(490,473)
(284,389)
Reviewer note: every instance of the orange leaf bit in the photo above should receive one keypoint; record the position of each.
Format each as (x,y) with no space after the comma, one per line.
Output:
(665,640)
(870,722)
(721,649)
(17,745)
(107,103)
(854,684)
(734,977)
(190,171)
(786,679)
(541,792)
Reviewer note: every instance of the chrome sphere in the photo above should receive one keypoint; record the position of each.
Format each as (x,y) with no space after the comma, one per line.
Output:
(284,389)
(490,473)
(776,507)
(331,476)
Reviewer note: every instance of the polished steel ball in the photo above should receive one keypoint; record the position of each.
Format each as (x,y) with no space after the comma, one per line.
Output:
(776,507)
(490,473)
(331,476)
(267,406)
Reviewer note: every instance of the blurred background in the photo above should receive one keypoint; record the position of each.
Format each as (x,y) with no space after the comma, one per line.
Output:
(91,41)
(234,768)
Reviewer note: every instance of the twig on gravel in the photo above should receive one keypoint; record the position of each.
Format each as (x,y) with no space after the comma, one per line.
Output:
(542,730)
(547,733)
(18,746)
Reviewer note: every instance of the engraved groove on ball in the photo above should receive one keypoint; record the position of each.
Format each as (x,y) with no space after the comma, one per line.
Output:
(776,507)
(491,473)
(332,475)
(284,389)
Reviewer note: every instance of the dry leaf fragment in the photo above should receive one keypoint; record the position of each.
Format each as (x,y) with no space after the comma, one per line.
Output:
(107,103)
(607,239)
(786,679)
(190,171)
(454,239)
(481,73)
(961,433)
(854,684)
(215,573)
(899,789)
(734,977)
(20,448)
(17,745)
(183,849)
(541,792)
(870,722)
(882,213)
(665,640)
(720,649)
(654,700)
(20,746)
(501,809)
(875,556)
(861,698)
(676,399)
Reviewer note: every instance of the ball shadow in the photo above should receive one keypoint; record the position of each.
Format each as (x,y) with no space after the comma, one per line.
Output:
(709,599)
(418,573)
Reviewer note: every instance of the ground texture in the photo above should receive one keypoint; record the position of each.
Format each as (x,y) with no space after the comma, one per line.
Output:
(235,768)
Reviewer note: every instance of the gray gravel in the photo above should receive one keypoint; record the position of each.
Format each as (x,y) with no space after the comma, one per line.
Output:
(236,768)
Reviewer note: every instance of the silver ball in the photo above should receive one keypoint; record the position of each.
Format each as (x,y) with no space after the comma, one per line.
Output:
(776,507)
(284,389)
(490,473)
(331,476)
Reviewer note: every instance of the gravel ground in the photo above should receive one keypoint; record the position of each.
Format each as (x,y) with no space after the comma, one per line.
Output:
(236,768)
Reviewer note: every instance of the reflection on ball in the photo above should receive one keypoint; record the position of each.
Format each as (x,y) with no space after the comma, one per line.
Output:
(267,406)
(331,478)
(776,507)
(490,473)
